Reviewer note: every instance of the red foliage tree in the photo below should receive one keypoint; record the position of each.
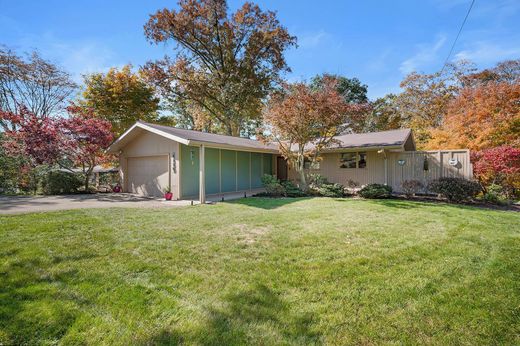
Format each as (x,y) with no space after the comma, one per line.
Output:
(32,136)
(74,142)
(84,139)
(500,165)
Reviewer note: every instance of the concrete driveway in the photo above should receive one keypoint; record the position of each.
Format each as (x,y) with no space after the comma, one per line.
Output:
(30,204)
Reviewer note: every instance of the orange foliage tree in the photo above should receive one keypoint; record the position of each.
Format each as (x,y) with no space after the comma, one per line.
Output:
(303,121)
(484,116)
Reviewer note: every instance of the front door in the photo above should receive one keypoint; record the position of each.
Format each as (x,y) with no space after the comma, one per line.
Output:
(281,168)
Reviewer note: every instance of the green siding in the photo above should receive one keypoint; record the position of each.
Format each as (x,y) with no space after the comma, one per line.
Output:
(228,170)
(268,164)
(189,171)
(256,170)
(243,170)
(211,164)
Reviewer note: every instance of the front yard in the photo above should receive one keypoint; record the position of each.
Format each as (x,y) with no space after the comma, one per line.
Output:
(262,271)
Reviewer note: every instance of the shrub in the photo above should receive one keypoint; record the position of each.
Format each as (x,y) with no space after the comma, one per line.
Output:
(500,166)
(331,190)
(375,191)
(495,195)
(455,189)
(411,187)
(59,182)
(292,190)
(272,186)
(316,180)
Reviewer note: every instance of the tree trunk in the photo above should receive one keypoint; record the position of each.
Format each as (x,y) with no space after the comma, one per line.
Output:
(301,171)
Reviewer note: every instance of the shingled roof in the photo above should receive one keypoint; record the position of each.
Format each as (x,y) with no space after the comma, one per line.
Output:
(393,139)
(373,139)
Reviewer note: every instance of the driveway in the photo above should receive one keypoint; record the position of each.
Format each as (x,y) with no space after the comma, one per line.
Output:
(30,204)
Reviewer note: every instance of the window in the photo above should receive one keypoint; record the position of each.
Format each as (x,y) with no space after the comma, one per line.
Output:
(353,160)
(307,164)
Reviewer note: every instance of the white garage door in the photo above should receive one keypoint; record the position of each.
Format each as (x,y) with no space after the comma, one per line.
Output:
(148,175)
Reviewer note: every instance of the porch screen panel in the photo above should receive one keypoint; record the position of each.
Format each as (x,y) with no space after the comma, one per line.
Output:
(211,159)
(228,170)
(256,170)
(243,170)
(268,164)
(189,171)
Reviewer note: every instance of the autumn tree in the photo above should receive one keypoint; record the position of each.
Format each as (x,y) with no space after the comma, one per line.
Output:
(425,98)
(480,117)
(225,64)
(353,92)
(84,138)
(384,115)
(498,166)
(75,141)
(122,97)
(303,121)
(33,83)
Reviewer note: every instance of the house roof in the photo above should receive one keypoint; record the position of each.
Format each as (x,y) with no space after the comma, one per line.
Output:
(391,139)
(191,137)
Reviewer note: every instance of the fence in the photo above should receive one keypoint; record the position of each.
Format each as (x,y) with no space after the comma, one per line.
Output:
(425,166)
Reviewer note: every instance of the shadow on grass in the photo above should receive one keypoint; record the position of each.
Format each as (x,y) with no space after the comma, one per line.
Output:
(34,307)
(266,202)
(257,315)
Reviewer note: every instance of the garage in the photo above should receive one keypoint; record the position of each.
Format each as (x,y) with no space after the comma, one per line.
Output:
(148,175)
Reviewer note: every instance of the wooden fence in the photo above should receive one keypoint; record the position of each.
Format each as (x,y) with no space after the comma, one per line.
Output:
(425,166)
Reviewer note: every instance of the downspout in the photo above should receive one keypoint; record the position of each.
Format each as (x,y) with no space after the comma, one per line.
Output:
(382,151)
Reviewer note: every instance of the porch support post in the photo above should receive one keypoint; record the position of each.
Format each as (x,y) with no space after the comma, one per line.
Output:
(386,167)
(202,176)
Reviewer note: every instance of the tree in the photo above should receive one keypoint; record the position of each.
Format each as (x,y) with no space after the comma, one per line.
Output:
(84,140)
(303,121)
(34,137)
(225,65)
(121,97)
(481,117)
(352,92)
(33,83)
(351,89)
(425,98)
(385,115)
(500,165)
(77,140)
(504,72)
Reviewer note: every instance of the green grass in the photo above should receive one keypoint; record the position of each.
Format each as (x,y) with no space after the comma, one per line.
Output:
(262,271)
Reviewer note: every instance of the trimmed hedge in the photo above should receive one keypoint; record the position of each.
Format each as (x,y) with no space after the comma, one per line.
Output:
(455,189)
(59,183)
(375,191)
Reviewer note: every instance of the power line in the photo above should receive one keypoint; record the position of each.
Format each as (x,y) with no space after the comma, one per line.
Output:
(458,34)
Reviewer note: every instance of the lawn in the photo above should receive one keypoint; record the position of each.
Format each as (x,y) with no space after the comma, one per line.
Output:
(262,271)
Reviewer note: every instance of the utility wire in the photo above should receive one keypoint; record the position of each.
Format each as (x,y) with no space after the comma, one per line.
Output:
(458,34)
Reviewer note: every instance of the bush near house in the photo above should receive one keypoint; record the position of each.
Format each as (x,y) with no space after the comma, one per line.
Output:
(455,189)
(411,187)
(272,186)
(59,182)
(498,166)
(375,191)
(320,186)
(292,190)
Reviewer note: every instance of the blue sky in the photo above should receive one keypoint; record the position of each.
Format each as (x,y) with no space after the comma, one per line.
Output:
(378,42)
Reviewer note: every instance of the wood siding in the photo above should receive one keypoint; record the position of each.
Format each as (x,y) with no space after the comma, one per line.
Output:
(150,144)
(438,164)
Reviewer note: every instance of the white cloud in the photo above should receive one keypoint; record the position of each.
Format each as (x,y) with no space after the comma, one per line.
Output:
(76,57)
(311,40)
(485,52)
(426,54)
